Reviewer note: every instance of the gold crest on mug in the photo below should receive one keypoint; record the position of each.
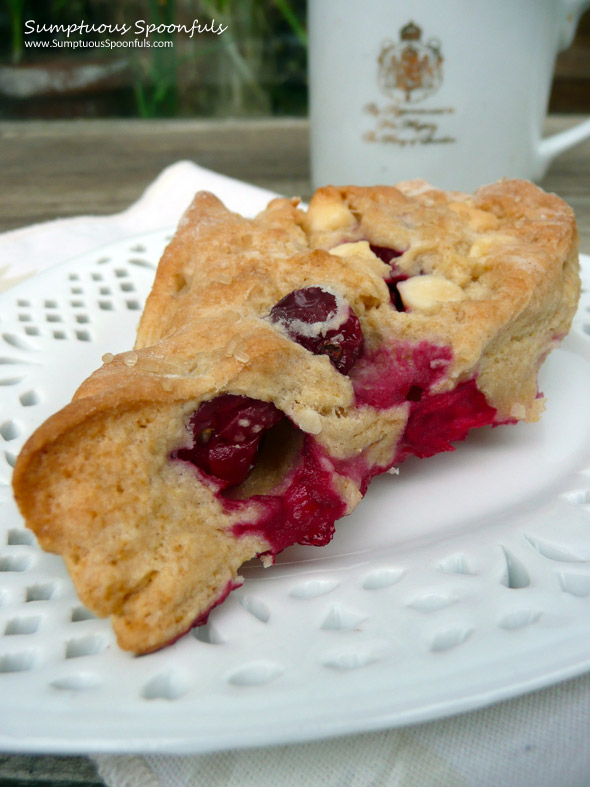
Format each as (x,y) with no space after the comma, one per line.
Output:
(455,92)
(408,72)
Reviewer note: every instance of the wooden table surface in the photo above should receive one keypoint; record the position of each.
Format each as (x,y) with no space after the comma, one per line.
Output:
(52,169)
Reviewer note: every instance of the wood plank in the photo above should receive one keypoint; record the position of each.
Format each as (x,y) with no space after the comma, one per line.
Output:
(569,176)
(53,169)
(570,91)
(21,770)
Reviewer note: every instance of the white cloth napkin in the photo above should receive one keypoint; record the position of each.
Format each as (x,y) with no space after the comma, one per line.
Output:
(540,739)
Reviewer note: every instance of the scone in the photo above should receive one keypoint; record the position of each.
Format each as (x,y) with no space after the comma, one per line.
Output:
(280,364)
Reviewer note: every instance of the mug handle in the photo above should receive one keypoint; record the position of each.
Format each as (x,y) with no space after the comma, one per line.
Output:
(558,143)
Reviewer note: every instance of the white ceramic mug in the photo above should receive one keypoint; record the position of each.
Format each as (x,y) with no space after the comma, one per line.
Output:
(454,91)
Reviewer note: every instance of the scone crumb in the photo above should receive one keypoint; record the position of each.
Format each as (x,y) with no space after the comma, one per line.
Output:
(518,411)
(222,278)
(231,348)
(207,382)
(130,358)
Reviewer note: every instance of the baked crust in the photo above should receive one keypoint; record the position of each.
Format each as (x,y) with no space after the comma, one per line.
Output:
(152,543)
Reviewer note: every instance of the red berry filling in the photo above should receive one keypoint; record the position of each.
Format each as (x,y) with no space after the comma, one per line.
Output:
(302,508)
(227,433)
(322,323)
(389,377)
(226,436)
(304,505)
(305,511)
(386,255)
(437,421)
(433,424)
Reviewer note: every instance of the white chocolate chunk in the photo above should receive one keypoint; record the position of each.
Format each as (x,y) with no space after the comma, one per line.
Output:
(309,421)
(485,244)
(359,249)
(423,293)
(480,220)
(324,216)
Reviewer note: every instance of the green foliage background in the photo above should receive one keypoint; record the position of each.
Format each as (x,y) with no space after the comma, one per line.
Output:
(256,67)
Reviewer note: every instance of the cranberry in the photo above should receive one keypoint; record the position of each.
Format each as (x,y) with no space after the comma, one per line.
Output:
(226,436)
(302,313)
(386,255)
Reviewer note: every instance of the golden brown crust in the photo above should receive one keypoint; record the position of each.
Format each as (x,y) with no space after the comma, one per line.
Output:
(148,543)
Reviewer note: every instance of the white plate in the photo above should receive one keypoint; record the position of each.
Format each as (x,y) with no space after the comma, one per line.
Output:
(463,581)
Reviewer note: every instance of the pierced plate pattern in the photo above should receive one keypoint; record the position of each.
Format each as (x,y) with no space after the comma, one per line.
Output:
(462,581)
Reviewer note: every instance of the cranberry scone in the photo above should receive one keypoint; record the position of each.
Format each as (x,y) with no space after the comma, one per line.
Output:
(281,362)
